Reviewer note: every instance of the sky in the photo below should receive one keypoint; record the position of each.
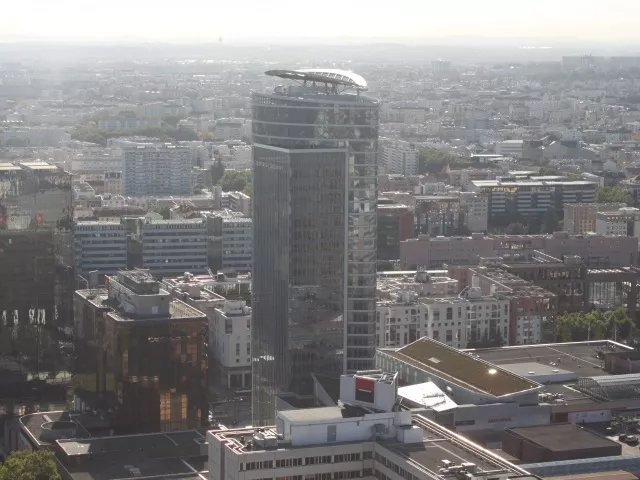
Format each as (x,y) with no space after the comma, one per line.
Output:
(252,20)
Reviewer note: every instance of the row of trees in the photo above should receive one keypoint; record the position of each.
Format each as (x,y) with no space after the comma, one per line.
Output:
(432,160)
(595,325)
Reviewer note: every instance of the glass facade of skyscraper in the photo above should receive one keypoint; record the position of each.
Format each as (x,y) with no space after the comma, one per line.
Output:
(314,217)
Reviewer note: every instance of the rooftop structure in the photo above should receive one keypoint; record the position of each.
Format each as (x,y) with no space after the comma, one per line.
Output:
(423,283)
(327,76)
(462,368)
(179,455)
(359,440)
(557,442)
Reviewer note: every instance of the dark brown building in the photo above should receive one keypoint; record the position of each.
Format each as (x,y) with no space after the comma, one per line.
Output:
(395,224)
(151,354)
(551,443)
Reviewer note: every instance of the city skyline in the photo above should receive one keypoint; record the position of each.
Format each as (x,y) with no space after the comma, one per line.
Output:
(408,19)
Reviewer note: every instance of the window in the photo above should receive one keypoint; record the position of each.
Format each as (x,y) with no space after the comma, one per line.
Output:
(332,432)
(449,313)
(237,349)
(449,336)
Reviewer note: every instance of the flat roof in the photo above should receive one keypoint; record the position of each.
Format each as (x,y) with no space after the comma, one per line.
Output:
(577,357)
(36,425)
(613,475)
(172,454)
(478,374)
(563,437)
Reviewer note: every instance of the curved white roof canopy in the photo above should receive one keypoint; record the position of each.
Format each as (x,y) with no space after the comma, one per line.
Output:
(323,75)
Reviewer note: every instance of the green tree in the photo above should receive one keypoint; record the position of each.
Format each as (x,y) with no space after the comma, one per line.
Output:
(164,211)
(613,195)
(23,465)
(594,325)
(432,160)
(236,181)
(516,229)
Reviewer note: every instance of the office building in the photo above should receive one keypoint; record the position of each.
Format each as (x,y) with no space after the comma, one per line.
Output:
(230,241)
(363,437)
(399,157)
(532,197)
(580,218)
(156,169)
(99,246)
(315,199)
(36,263)
(167,248)
(395,224)
(151,354)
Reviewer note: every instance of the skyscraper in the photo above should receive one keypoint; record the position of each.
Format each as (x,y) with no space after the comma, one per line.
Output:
(314,218)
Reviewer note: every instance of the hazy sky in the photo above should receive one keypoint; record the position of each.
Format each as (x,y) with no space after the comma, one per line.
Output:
(206,20)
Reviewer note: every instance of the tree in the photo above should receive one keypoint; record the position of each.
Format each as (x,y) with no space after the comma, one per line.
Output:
(613,195)
(594,325)
(23,465)
(432,160)
(236,181)
(164,211)
(516,229)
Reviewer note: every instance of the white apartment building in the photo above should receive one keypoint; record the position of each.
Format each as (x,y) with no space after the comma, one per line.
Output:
(156,169)
(95,162)
(400,321)
(99,245)
(237,202)
(172,247)
(459,320)
(399,156)
(230,345)
(625,221)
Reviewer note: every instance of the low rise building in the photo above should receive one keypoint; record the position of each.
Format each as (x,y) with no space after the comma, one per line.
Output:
(623,221)
(580,218)
(230,337)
